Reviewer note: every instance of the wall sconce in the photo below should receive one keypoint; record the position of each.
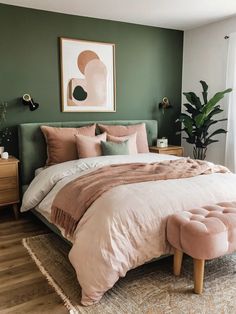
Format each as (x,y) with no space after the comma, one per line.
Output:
(165,104)
(28,101)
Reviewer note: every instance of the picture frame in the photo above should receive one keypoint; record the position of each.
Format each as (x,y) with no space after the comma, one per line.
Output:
(88,82)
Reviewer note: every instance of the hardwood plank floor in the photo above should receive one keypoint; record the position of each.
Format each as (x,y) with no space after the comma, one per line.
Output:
(23,289)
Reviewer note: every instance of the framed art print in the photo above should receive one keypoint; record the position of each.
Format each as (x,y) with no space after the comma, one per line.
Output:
(87,76)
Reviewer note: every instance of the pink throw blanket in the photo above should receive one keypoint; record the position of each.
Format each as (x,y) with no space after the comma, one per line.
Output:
(77,196)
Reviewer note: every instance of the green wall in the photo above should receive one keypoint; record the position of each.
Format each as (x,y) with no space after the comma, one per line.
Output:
(148,67)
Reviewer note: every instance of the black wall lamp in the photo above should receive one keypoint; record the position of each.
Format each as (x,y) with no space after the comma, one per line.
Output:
(165,104)
(28,101)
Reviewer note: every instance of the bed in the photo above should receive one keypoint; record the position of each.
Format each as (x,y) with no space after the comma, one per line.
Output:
(126,226)
(33,150)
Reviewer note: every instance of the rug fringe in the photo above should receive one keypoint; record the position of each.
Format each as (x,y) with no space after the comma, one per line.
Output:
(50,280)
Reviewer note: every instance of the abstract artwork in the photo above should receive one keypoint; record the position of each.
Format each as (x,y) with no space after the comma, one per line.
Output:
(87,76)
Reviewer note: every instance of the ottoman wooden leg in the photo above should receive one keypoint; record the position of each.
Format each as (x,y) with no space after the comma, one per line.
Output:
(178,256)
(198,275)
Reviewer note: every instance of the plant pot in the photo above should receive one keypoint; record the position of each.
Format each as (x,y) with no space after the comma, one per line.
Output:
(199,152)
(1,150)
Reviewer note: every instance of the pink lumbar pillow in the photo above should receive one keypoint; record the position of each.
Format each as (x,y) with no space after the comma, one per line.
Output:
(88,146)
(132,141)
(124,130)
(61,143)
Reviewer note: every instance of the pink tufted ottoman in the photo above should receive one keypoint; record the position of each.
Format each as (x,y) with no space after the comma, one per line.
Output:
(203,233)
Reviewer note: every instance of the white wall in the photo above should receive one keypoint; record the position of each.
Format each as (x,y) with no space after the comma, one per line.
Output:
(205,58)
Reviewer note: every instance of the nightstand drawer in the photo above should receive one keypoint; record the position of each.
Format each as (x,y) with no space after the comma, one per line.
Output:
(8,183)
(9,170)
(175,152)
(9,196)
(179,153)
(169,150)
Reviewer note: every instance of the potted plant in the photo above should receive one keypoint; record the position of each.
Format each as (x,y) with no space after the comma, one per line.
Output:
(198,121)
(5,133)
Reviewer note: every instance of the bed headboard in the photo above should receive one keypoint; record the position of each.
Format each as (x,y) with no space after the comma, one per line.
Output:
(32,146)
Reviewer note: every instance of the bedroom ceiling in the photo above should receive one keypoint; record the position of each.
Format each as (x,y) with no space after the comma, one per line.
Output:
(175,14)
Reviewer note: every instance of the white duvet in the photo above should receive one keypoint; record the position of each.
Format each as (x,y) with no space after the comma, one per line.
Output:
(125,227)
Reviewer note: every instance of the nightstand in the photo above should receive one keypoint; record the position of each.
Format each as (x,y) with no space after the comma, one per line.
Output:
(169,150)
(9,183)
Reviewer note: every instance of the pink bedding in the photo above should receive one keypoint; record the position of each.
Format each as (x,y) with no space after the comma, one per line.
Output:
(126,226)
(77,196)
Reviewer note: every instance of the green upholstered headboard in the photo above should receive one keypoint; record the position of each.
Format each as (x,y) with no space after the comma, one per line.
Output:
(32,146)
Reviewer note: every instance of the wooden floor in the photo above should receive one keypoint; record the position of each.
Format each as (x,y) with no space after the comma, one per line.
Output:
(23,289)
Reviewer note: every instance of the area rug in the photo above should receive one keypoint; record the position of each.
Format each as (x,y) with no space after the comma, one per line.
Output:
(148,289)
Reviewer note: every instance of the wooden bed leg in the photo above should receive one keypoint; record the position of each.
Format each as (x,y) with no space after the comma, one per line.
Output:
(178,256)
(199,265)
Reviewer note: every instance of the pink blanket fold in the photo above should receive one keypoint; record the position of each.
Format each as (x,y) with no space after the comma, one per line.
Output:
(75,198)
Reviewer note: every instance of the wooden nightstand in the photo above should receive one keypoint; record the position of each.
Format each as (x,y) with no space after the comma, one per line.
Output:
(170,150)
(9,183)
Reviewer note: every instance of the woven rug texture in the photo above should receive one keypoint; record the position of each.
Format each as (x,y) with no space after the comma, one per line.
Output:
(148,289)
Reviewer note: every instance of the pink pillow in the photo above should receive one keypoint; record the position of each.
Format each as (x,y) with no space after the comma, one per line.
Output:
(88,146)
(61,143)
(120,139)
(124,130)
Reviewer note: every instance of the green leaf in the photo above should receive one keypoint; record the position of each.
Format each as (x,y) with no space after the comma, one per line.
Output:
(216,110)
(210,141)
(220,120)
(199,120)
(210,122)
(219,131)
(191,109)
(184,116)
(205,89)
(190,140)
(193,99)
(204,86)
(206,126)
(191,136)
(214,100)
(209,107)
(187,121)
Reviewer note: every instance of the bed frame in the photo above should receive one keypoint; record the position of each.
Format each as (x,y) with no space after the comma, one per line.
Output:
(33,149)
